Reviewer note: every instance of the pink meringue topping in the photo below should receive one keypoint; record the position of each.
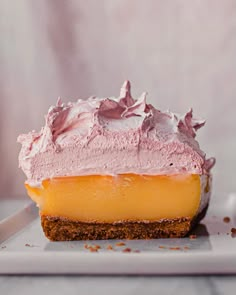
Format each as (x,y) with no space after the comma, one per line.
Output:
(112,136)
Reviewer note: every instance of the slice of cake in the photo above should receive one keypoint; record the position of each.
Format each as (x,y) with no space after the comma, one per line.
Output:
(116,168)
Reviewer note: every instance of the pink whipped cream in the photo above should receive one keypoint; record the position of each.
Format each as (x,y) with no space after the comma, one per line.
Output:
(112,136)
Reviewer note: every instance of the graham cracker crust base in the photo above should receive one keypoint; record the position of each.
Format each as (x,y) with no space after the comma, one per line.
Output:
(60,229)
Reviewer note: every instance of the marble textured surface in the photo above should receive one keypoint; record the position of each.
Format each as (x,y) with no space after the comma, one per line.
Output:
(59,285)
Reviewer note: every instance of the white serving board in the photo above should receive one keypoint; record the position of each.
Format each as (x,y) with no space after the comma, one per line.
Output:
(25,250)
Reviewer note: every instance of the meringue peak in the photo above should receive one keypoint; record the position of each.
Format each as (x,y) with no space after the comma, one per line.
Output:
(112,136)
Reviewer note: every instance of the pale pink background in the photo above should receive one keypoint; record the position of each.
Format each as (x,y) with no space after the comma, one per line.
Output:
(182,52)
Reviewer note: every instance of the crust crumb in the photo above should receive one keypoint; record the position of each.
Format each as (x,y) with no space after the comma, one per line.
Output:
(120,244)
(233,230)
(175,248)
(126,250)
(226,219)
(92,249)
(28,245)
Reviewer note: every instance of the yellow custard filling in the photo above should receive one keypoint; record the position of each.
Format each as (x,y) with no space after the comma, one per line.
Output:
(119,198)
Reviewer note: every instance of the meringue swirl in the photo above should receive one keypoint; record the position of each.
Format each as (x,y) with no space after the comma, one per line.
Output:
(110,136)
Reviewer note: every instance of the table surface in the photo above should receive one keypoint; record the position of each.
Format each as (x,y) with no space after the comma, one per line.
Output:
(117,285)
(112,284)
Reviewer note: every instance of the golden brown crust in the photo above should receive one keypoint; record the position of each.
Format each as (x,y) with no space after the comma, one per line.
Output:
(58,229)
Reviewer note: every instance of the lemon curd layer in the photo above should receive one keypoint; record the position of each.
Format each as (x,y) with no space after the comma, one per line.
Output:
(125,197)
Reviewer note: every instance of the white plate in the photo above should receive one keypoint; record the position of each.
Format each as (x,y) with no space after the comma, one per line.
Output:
(24,249)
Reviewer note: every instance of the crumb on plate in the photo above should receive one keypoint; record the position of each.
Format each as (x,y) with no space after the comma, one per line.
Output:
(175,248)
(226,219)
(119,244)
(126,250)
